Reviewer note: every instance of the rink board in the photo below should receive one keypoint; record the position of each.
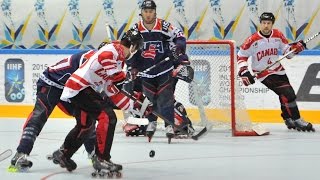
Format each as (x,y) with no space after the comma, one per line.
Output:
(262,104)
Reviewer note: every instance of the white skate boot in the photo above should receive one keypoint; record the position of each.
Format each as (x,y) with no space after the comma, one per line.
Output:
(100,165)
(19,163)
(151,129)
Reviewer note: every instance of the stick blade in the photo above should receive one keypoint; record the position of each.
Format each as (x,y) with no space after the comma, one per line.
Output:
(7,153)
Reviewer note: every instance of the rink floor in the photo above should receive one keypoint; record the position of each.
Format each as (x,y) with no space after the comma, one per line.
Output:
(283,155)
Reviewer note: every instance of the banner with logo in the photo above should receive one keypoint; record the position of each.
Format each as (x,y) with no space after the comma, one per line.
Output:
(21,73)
(83,24)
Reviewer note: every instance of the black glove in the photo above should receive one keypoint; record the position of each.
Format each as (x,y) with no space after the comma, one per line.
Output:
(246,76)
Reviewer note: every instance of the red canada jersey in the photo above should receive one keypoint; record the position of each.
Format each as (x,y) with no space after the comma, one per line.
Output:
(97,72)
(263,52)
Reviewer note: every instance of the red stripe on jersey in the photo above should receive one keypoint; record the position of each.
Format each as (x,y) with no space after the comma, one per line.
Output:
(120,97)
(105,55)
(83,81)
(73,85)
(278,34)
(241,59)
(250,40)
(267,72)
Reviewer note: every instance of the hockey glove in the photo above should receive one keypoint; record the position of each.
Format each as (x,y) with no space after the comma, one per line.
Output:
(298,46)
(246,76)
(177,50)
(182,59)
(183,72)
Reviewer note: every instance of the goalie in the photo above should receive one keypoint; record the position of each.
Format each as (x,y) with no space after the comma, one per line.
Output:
(136,124)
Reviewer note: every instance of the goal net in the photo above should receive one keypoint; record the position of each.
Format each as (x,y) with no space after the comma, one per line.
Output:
(215,89)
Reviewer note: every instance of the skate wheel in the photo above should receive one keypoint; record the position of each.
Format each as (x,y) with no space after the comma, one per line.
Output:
(94,174)
(55,161)
(70,169)
(101,175)
(127,135)
(30,164)
(109,174)
(118,174)
(49,157)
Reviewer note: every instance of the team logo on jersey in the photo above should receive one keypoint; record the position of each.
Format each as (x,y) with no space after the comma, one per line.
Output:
(14,80)
(151,48)
(267,52)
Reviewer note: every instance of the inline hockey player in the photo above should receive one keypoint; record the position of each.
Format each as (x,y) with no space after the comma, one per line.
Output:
(49,90)
(103,69)
(263,48)
(161,40)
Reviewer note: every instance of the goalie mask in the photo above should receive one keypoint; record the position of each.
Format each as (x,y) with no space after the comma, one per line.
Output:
(133,40)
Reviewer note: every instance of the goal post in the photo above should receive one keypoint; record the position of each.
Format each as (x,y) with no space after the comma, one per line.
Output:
(218,88)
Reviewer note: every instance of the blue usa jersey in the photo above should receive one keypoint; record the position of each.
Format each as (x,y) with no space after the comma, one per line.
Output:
(158,45)
(57,74)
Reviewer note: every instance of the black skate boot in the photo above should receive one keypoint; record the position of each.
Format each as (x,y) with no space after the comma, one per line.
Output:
(302,125)
(169,133)
(20,163)
(151,129)
(58,158)
(290,123)
(100,165)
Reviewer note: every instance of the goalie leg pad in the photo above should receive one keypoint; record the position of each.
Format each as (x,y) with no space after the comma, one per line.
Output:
(181,118)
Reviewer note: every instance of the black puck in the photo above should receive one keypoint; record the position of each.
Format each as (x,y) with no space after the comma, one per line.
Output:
(152,153)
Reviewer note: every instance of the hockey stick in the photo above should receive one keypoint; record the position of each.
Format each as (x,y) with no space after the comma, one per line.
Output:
(4,155)
(277,61)
(145,71)
(312,37)
(108,32)
(285,55)
(180,128)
